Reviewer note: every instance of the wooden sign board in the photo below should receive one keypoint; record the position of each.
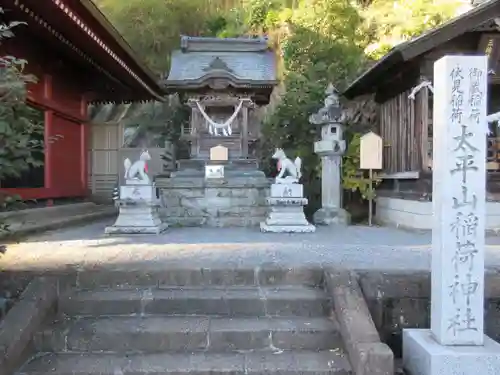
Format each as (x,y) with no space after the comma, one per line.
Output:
(370,151)
(219,153)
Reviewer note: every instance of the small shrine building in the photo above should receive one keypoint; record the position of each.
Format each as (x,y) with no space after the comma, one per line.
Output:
(78,58)
(223,80)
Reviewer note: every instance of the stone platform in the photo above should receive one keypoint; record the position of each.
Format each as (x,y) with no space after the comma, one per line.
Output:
(286,210)
(424,356)
(138,211)
(237,200)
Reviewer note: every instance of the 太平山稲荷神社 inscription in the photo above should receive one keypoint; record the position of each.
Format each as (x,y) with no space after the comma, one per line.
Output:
(466,100)
(456,343)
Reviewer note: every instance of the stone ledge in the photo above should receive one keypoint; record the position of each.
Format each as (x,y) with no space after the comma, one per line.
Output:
(201,183)
(24,320)
(368,355)
(41,223)
(47,211)
(380,284)
(266,275)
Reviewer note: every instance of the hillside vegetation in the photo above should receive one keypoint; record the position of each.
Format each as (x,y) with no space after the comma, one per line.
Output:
(317,41)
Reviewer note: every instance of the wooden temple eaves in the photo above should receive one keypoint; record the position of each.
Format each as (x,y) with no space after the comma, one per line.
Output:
(79,31)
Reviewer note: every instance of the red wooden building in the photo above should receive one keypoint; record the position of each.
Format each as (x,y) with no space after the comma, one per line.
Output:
(78,57)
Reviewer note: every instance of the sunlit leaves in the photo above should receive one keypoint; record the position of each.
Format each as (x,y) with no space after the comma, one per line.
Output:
(21,131)
(389,23)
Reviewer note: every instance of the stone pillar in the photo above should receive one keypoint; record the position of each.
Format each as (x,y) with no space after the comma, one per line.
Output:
(456,343)
(244,130)
(330,148)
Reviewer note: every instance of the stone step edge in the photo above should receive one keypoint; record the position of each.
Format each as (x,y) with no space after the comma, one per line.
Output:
(281,292)
(273,324)
(231,302)
(176,334)
(187,277)
(283,362)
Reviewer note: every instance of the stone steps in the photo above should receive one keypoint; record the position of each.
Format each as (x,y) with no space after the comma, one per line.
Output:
(249,301)
(283,363)
(189,333)
(191,321)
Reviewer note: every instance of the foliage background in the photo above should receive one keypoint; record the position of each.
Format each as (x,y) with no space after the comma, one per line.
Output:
(316,41)
(21,131)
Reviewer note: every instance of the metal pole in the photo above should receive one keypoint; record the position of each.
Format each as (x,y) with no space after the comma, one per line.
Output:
(370,200)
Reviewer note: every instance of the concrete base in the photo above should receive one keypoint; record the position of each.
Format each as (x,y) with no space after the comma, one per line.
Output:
(422,355)
(286,214)
(332,216)
(137,218)
(414,214)
(287,220)
(136,229)
(287,228)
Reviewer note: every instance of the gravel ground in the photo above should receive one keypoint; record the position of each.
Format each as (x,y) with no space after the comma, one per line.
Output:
(355,247)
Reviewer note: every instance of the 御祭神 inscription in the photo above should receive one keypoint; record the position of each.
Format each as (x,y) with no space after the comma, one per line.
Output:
(475,94)
(466,102)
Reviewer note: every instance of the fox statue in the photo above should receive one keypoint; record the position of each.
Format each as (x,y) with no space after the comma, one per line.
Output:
(285,165)
(137,172)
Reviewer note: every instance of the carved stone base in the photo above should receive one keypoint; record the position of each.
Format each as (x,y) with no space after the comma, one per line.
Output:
(309,228)
(287,213)
(137,216)
(422,355)
(332,216)
(136,230)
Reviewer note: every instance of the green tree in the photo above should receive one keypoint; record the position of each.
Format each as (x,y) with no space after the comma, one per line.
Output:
(321,44)
(21,133)
(389,23)
(153,27)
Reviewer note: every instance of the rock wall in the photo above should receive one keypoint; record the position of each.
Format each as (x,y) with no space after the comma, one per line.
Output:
(398,300)
(235,202)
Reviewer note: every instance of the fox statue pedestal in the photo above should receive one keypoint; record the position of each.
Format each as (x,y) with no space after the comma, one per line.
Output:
(138,213)
(137,202)
(287,199)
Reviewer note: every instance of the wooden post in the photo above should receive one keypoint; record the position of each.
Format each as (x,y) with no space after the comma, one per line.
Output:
(195,122)
(84,152)
(370,200)
(47,133)
(244,131)
(370,157)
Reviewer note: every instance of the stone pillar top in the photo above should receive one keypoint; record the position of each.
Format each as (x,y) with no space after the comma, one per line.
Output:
(331,112)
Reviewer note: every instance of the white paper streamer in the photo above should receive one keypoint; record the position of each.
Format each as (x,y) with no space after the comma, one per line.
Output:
(215,126)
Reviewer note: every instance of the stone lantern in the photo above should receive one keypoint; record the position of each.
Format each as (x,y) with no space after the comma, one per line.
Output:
(330,148)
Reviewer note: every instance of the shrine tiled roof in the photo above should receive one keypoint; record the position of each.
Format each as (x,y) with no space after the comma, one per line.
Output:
(242,61)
